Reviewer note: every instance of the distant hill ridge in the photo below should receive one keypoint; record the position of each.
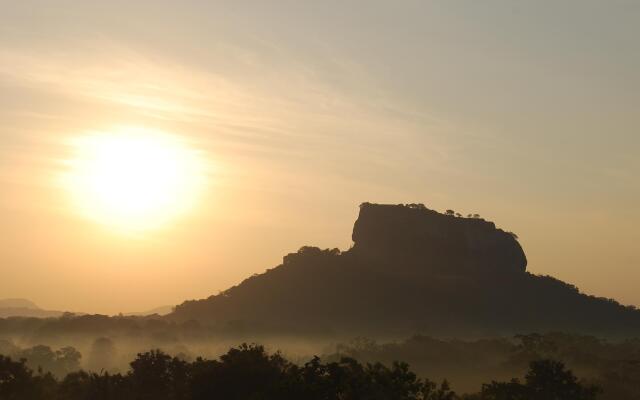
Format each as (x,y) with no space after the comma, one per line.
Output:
(163,310)
(24,308)
(18,303)
(411,269)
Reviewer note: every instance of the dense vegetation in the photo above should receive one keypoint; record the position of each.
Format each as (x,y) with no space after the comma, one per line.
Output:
(612,365)
(249,372)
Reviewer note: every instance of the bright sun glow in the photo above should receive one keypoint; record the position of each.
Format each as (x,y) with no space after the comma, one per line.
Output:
(133,179)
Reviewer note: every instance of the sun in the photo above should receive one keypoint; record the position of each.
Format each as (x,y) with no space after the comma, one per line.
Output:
(133,179)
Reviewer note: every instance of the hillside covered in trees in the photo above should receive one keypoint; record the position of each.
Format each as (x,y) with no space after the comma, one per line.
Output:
(411,270)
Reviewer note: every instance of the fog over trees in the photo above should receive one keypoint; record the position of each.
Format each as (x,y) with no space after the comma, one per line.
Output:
(249,372)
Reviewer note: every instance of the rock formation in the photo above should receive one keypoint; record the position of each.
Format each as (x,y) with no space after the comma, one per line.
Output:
(414,238)
(410,270)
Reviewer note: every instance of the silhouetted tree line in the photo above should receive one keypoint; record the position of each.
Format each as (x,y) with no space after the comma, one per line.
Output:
(249,372)
(613,366)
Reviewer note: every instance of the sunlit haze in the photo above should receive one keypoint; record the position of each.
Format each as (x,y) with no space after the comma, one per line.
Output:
(188,145)
(132,179)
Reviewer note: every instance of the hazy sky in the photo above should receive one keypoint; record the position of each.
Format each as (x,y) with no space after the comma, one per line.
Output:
(526,112)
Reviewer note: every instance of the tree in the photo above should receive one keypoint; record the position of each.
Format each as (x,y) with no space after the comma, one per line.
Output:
(550,380)
(512,390)
(15,379)
(102,355)
(431,391)
(39,358)
(546,380)
(67,360)
(83,385)
(245,372)
(8,348)
(17,382)
(157,376)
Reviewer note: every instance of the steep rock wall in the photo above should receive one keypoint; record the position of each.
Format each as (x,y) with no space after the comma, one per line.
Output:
(416,238)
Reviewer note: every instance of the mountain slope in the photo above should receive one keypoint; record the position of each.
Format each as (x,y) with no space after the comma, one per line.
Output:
(410,270)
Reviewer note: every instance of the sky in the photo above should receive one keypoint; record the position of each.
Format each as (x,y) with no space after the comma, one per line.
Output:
(525,112)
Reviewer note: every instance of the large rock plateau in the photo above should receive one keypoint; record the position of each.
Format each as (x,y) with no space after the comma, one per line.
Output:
(410,270)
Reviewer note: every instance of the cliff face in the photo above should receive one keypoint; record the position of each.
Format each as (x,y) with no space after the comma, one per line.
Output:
(422,240)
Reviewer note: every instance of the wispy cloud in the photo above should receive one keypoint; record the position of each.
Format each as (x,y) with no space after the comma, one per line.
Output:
(244,113)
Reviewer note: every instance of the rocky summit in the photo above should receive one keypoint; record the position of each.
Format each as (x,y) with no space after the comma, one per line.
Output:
(410,269)
(414,238)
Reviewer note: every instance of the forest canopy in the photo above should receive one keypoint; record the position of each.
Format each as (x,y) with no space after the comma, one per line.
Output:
(250,372)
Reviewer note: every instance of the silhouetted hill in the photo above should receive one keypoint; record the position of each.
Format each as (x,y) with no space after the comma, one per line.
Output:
(18,303)
(24,308)
(411,269)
